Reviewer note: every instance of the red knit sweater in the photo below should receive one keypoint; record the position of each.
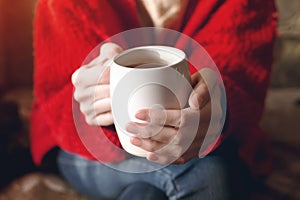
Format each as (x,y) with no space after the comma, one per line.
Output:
(238,34)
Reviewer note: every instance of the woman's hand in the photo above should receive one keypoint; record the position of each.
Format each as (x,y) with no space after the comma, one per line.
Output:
(91,84)
(176,136)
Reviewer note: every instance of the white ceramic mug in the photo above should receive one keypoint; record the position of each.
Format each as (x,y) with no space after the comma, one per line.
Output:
(146,77)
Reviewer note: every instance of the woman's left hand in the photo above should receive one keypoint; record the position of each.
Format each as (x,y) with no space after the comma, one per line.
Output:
(176,136)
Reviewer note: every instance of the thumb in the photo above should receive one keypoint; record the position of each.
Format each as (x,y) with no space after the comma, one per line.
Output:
(109,50)
(200,94)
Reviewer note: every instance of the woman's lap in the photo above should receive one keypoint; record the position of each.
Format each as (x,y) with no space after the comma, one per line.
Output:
(204,178)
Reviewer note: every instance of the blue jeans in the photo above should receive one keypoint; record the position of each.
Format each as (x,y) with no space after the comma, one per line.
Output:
(204,178)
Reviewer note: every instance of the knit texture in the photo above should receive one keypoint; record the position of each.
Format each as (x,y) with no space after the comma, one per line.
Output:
(238,34)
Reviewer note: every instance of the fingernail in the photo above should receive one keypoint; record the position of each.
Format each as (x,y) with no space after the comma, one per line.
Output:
(142,115)
(152,157)
(135,141)
(131,128)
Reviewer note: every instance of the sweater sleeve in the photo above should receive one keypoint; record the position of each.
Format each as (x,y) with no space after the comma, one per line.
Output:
(65,32)
(239,35)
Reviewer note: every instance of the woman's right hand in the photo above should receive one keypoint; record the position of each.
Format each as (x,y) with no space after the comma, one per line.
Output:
(91,84)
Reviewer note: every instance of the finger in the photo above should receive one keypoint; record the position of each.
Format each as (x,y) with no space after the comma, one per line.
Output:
(74,77)
(166,155)
(92,94)
(92,110)
(105,119)
(200,143)
(207,79)
(193,145)
(154,132)
(86,77)
(174,155)
(147,144)
(166,135)
(205,113)
(101,92)
(102,106)
(105,76)
(160,117)
(143,130)
(200,95)
(109,50)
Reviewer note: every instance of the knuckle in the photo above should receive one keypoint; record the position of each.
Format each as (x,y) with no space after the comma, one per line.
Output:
(77,95)
(89,120)
(76,76)
(81,94)
(150,134)
(84,109)
(102,120)
(99,121)
(151,148)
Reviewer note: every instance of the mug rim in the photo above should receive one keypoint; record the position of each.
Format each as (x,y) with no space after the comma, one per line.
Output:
(169,49)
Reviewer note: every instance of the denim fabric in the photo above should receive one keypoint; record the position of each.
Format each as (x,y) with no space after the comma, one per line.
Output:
(204,178)
(142,191)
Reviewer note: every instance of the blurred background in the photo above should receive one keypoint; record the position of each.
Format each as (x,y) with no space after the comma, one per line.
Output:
(20,179)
